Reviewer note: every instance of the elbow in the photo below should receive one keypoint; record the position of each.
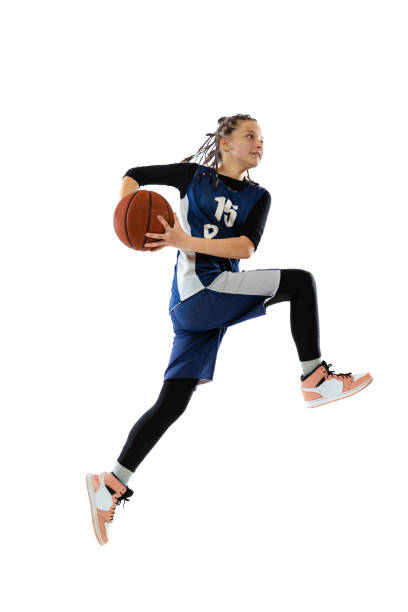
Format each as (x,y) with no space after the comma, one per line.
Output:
(250,251)
(246,255)
(249,247)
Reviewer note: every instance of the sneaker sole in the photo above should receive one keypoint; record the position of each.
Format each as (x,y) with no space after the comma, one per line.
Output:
(91,495)
(325,400)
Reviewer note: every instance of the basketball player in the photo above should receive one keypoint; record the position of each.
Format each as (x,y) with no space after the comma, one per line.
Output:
(222,218)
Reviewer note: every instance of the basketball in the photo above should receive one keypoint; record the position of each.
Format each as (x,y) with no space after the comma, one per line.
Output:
(136,215)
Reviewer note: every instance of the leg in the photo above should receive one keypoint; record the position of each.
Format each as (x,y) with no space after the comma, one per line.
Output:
(108,489)
(146,432)
(299,287)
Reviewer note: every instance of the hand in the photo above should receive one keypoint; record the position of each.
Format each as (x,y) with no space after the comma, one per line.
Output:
(173,236)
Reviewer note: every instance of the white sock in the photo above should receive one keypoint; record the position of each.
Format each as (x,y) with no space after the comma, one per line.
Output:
(309,366)
(122,473)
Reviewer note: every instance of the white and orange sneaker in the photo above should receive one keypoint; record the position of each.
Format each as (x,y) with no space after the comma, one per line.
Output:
(105,492)
(321,386)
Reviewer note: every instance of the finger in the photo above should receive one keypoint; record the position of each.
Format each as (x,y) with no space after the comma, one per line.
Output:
(163,220)
(154,235)
(153,244)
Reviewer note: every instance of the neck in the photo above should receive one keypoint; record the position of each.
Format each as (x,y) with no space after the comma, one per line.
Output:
(231,170)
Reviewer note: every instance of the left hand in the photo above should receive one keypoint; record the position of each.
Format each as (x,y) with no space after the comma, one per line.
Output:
(173,236)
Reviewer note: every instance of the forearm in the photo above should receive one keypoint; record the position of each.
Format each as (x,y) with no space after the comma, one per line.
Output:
(230,248)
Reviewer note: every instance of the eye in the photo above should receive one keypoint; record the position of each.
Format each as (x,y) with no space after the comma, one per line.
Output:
(253,136)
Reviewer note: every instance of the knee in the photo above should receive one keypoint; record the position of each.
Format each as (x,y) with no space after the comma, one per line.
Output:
(175,396)
(306,279)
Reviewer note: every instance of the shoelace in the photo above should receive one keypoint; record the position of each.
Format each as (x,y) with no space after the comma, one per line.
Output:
(125,497)
(334,373)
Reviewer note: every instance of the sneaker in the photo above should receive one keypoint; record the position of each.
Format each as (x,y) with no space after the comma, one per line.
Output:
(105,492)
(321,386)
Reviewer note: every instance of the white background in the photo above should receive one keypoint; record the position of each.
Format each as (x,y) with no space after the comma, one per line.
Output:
(250,500)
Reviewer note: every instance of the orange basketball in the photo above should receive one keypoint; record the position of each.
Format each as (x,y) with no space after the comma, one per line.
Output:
(136,215)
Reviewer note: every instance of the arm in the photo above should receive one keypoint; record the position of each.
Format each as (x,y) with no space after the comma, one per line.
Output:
(177,175)
(128,185)
(255,223)
(230,248)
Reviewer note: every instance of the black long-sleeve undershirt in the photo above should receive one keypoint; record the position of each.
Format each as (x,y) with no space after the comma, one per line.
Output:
(179,175)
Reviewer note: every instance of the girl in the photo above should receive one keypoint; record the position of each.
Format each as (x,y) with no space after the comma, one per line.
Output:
(223,215)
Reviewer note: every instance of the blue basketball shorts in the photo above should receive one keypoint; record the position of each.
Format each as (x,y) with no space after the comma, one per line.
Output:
(200,321)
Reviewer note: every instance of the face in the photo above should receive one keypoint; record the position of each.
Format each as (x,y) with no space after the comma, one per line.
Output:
(245,144)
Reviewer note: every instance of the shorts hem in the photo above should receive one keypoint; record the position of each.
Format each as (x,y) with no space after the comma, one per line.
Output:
(201,381)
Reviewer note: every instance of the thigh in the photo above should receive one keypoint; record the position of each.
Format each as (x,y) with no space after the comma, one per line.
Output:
(194,354)
(262,282)
(215,310)
(233,297)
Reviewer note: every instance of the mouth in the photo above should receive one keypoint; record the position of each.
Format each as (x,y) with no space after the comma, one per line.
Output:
(257,155)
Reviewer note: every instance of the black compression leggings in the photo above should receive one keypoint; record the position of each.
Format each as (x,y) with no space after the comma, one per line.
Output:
(299,288)
(296,286)
(171,403)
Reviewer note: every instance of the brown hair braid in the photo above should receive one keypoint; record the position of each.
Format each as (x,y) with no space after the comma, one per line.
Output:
(210,149)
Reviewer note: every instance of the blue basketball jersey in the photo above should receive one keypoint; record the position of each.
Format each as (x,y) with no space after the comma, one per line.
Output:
(206,212)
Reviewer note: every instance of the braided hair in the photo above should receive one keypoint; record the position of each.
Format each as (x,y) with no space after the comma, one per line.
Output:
(210,149)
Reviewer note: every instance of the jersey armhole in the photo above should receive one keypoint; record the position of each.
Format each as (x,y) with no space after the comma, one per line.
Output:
(192,178)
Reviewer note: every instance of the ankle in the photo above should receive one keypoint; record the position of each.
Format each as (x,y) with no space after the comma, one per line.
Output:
(122,473)
(309,366)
